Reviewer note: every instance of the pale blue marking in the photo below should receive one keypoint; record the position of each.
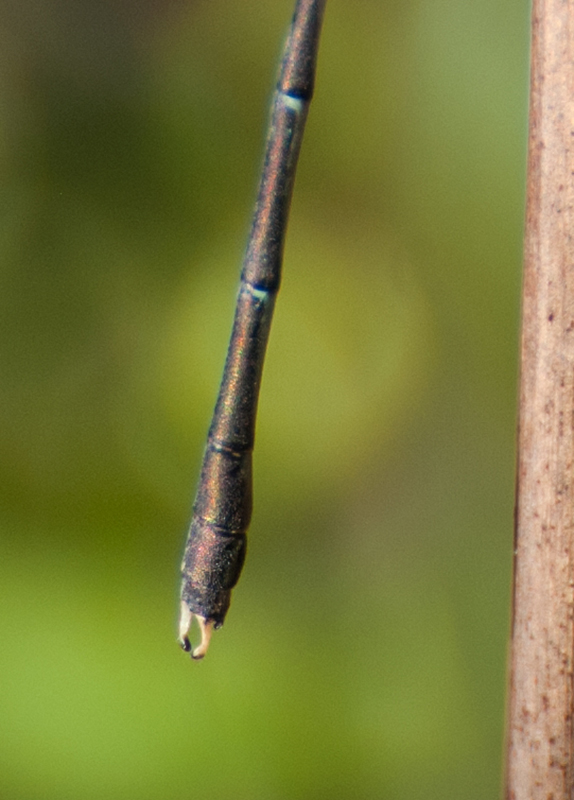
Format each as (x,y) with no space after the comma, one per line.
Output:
(259,294)
(294,103)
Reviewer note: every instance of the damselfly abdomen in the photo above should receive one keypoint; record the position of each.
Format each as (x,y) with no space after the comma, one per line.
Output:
(215,548)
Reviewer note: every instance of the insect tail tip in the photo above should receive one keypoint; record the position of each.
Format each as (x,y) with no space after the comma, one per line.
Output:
(205,627)
(185,618)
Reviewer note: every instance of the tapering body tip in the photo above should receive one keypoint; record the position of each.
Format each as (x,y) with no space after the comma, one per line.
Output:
(216,543)
(206,627)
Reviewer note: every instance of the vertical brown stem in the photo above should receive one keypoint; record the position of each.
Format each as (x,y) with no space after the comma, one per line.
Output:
(540,747)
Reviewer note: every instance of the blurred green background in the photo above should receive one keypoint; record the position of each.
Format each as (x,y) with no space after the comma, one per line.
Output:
(364,653)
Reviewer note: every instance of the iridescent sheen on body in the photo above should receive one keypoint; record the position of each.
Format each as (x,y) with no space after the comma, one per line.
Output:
(216,543)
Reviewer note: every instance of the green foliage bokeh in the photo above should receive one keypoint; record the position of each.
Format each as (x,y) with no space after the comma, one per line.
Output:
(364,653)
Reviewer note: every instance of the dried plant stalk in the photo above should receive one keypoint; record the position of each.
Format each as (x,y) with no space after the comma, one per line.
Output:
(540,747)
